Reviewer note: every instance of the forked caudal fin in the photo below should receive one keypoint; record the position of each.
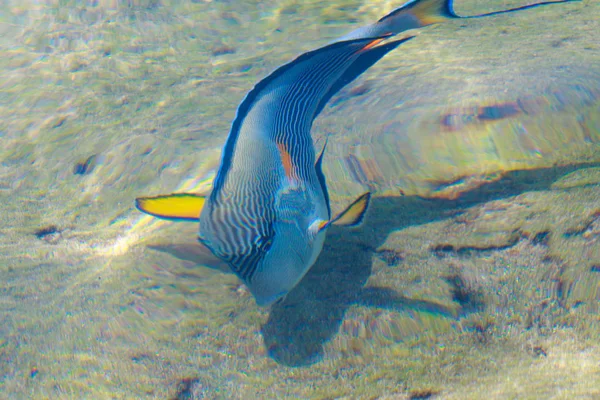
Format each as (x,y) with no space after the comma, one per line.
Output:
(172,207)
(416,14)
(434,11)
(543,3)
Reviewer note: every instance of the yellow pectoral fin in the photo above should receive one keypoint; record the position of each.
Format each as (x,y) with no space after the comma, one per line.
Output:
(174,207)
(317,226)
(354,213)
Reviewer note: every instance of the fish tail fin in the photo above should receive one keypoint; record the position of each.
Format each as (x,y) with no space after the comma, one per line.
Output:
(509,10)
(412,15)
(172,207)
(426,12)
(432,11)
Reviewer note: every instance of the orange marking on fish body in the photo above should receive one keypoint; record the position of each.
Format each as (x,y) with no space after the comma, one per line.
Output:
(372,44)
(286,160)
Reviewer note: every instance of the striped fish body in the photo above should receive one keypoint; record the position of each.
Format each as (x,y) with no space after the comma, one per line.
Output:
(259,221)
(270,188)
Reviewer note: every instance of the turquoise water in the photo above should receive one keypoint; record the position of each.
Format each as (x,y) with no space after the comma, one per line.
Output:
(475,275)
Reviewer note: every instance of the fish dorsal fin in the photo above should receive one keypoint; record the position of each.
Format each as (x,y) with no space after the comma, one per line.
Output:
(173,207)
(351,216)
(321,177)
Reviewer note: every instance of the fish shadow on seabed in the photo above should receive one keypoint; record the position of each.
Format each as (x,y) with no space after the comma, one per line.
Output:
(311,314)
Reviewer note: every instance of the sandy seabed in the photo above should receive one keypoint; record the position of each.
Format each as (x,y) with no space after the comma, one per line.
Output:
(475,275)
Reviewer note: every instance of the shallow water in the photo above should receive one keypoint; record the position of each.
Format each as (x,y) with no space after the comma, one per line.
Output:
(475,275)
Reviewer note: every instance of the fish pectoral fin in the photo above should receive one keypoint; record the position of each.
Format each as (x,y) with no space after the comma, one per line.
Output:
(351,216)
(354,213)
(172,207)
(317,226)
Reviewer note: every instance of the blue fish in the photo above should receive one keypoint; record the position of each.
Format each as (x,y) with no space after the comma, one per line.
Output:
(268,212)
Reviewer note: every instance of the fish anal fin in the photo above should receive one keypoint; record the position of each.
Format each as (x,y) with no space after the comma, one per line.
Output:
(354,213)
(172,207)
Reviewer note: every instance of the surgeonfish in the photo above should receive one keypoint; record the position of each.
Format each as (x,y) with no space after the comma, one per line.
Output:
(268,211)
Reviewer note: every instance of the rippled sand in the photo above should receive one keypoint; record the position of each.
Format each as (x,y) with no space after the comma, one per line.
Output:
(476,274)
